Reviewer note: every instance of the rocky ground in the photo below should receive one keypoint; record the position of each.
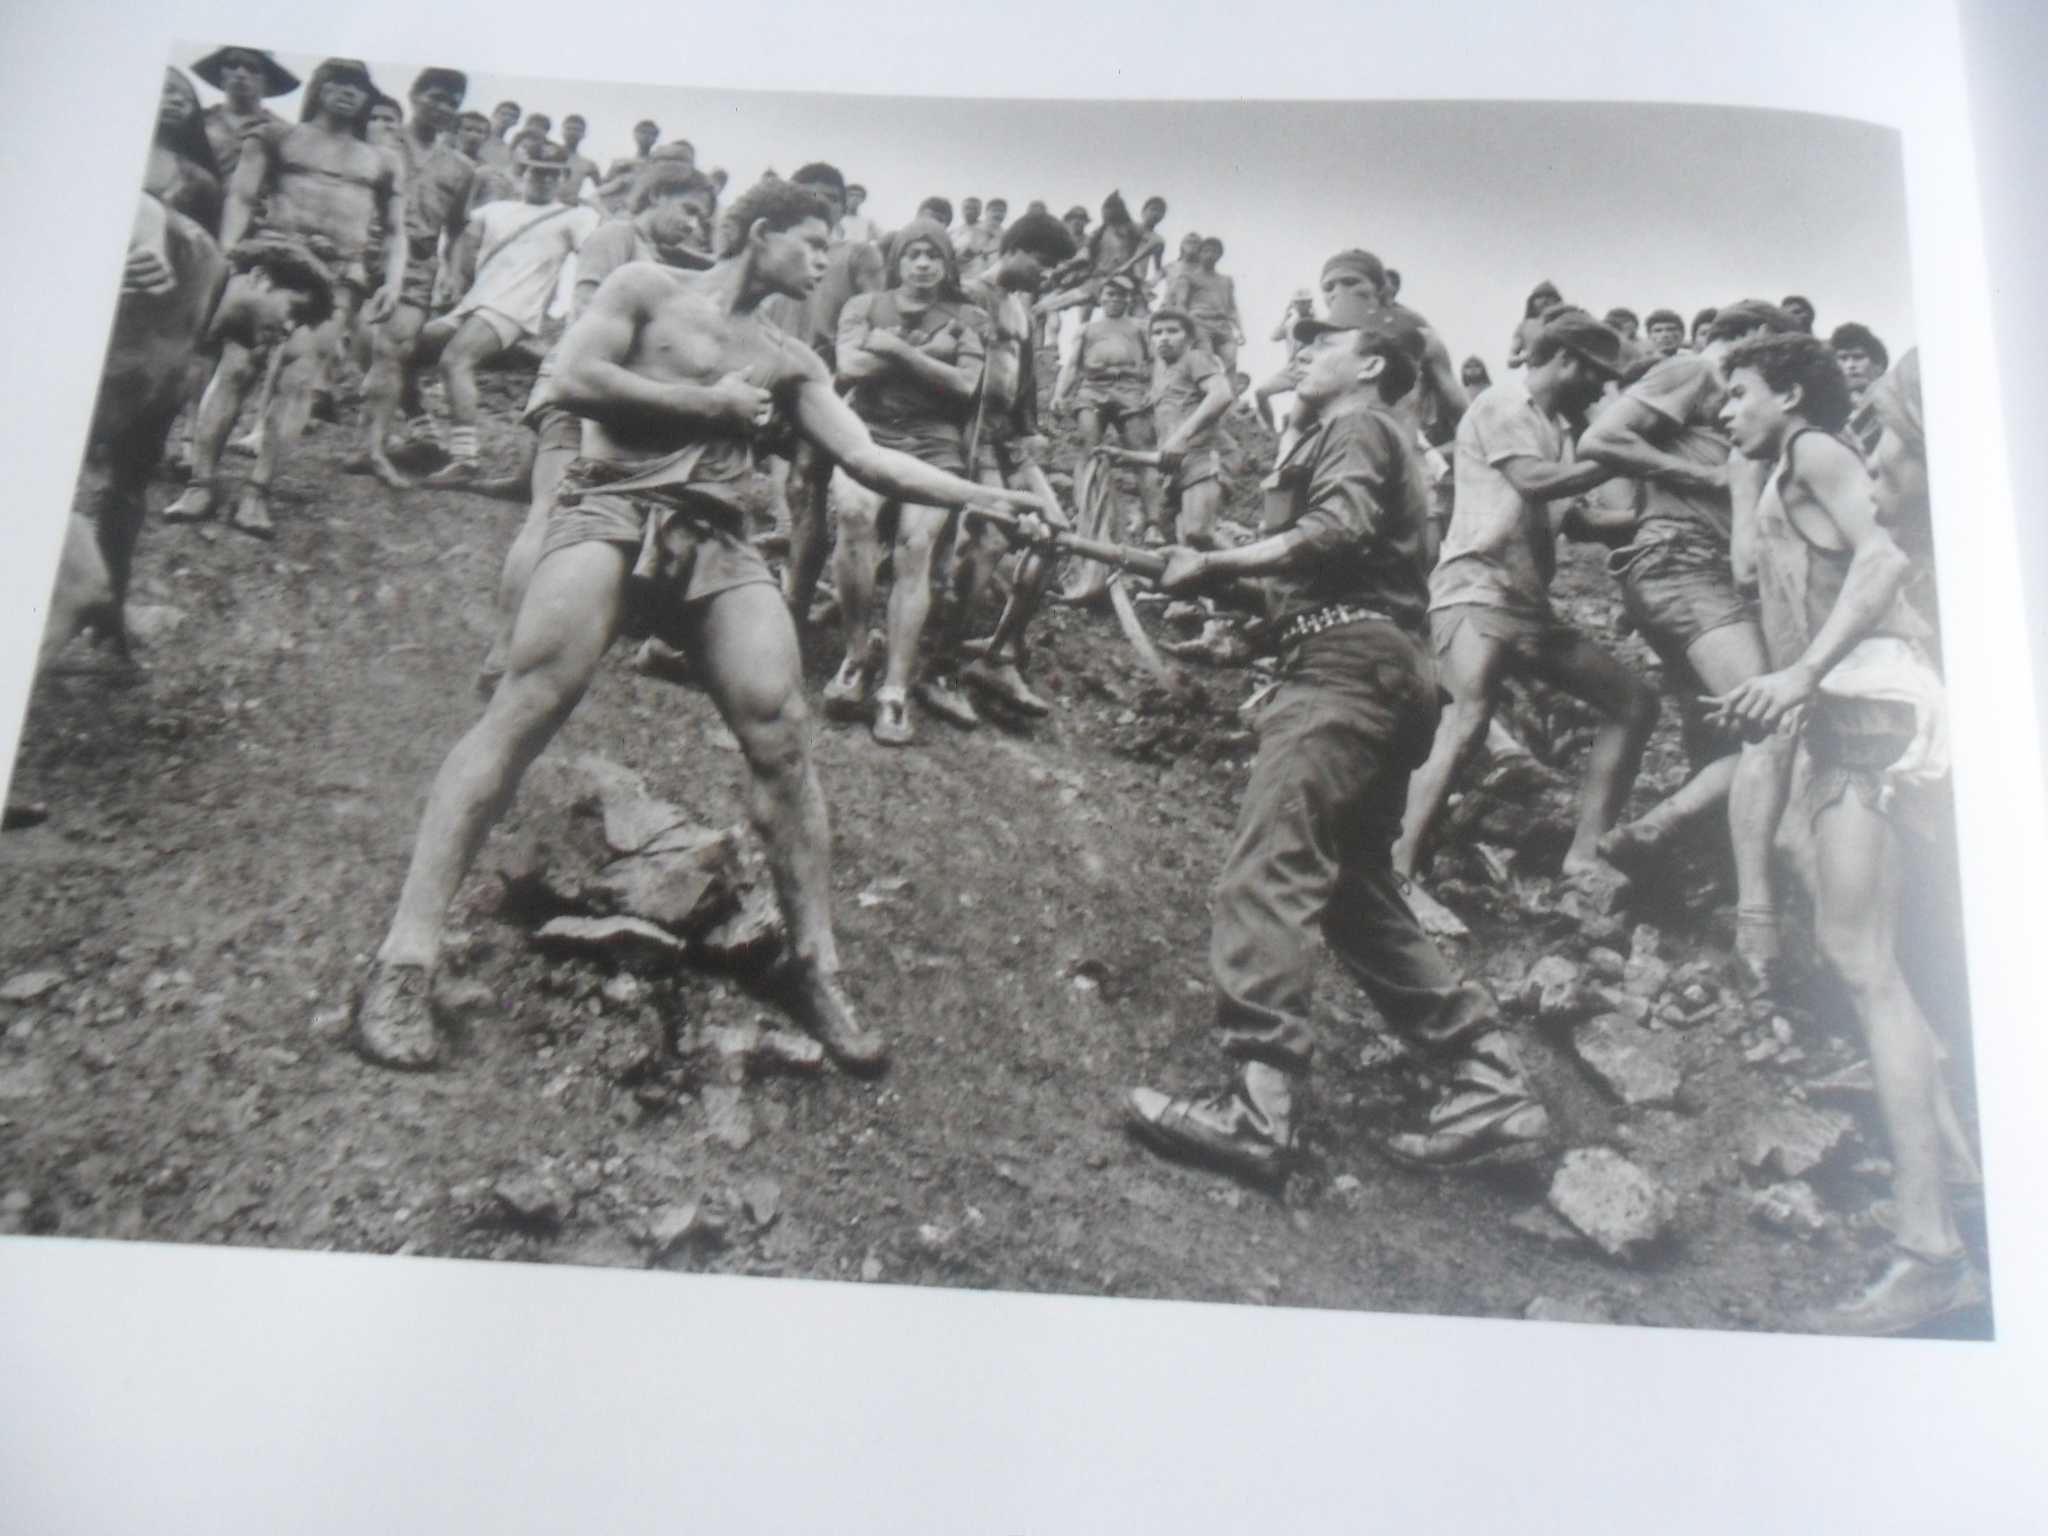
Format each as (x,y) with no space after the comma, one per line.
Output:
(1022,910)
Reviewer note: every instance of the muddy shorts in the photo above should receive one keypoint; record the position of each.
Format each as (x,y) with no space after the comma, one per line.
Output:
(1530,639)
(1115,398)
(1199,465)
(688,540)
(503,326)
(1851,742)
(941,444)
(1677,590)
(422,266)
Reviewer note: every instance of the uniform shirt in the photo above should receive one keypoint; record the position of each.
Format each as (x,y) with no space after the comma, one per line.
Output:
(1355,487)
(1686,393)
(530,245)
(438,182)
(1499,551)
(1178,389)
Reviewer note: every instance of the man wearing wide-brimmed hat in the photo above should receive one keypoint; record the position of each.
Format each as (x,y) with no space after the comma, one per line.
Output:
(321,183)
(506,267)
(1489,597)
(247,77)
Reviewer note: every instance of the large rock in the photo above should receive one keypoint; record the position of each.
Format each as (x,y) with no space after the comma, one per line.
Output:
(684,880)
(1636,1067)
(1792,1140)
(751,938)
(1620,1208)
(633,818)
(1789,1207)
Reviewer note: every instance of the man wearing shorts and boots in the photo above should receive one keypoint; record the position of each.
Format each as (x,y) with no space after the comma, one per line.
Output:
(676,376)
(1340,569)
(1678,585)
(509,264)
(1489,608)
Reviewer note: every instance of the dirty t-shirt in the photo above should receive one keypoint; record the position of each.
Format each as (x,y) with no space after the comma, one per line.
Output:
(1686,393)
(1178,389)
(1499,551)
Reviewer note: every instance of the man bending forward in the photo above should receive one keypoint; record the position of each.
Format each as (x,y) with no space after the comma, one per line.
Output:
(676,375)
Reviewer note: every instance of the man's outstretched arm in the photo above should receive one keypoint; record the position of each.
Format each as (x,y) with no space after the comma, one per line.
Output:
(830,423)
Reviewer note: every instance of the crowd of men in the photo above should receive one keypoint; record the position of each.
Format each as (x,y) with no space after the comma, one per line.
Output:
(777,373)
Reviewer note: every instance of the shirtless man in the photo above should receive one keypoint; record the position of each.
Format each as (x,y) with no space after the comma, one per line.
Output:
(967,235)
(1851,683)
(247,77)
(582,168)
(1190,392)
(857,228)
(671,224)
(616,191)
(1353,288)
(172,306)
(495,150)
(438,179)
(321,183)
(1106,387)
(1542,298)
(508,264)
(472,129)
(913,354)
(1211,298)
(1489,607)
(676,375)
(851,267)
(1678,586)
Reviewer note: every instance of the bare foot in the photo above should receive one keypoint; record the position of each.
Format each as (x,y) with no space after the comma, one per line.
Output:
(252,513)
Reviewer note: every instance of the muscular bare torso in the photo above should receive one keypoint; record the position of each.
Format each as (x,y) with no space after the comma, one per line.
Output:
(1112,347)
(683,334)
(326,186)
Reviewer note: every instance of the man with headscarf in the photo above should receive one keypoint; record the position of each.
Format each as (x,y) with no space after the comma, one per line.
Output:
(1542,298)
(247,77)
(1211,298)
(1354,294)
(913,354)
(321,183)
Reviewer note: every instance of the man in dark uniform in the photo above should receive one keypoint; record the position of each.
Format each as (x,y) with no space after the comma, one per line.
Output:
(1343,578)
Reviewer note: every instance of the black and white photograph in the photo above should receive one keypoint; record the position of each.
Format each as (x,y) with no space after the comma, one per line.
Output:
(1096,698)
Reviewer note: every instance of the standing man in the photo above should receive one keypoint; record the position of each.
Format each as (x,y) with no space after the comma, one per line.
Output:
(1190,392)
(496,152)
(247,77)
(1678,585)
(616,192)
(1489,597)
(321,183)
(913,354)
(1107,386)
(1354,294)
(857,228)
(438,180)
(506,267)
(675,376)
(1800,308)
(582,168)
(1665,332)
(1862,357)
(1211,298)
(1852,682)
(1340,571)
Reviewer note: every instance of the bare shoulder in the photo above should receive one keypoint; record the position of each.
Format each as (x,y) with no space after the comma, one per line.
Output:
(641,285)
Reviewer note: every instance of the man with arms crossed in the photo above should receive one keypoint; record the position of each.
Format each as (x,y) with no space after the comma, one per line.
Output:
(676,376)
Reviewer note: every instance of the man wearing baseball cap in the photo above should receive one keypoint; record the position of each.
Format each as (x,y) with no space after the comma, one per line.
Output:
(1489,604)
(1678,584)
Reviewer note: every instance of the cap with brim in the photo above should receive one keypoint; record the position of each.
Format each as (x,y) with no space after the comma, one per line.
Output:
(277,80)
(1599,346)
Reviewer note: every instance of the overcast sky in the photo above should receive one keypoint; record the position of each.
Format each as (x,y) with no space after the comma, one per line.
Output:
(1645,206)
